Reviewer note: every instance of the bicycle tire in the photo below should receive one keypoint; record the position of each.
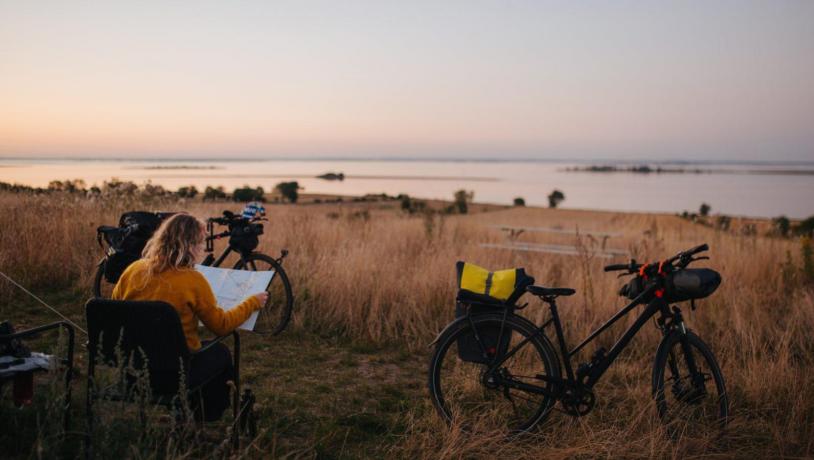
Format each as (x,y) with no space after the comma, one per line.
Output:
(519,327)
(272,321)
(677,418)
(99,280)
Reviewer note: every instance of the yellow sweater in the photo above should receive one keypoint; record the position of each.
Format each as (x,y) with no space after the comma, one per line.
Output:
(190,294)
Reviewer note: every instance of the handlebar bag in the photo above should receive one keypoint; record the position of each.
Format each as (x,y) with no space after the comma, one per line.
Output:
(481,291)
(691,283)
(243,236)
(633,288)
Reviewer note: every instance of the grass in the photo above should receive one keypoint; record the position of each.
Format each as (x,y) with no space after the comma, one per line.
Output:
(374,285)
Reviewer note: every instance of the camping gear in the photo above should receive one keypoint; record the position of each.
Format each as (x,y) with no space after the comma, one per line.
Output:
(691,284)
(244,235)
(481,292)
(127,241)
(252,210)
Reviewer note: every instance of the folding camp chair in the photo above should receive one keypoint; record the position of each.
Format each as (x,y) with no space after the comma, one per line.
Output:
(130,334)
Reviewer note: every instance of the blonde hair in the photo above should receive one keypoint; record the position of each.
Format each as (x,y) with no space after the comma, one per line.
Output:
(174,245)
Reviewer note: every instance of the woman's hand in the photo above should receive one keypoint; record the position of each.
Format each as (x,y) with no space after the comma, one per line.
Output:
(262,297)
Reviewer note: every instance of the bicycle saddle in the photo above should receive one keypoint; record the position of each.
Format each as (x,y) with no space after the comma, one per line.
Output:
(548,292)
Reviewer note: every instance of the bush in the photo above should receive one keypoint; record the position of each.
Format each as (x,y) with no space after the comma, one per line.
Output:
(247,193)
(410,205)
(704,209)
(519,201)
(462,200)
(289,190)
(555,198)
(187,192)
(805,228)
(214,193)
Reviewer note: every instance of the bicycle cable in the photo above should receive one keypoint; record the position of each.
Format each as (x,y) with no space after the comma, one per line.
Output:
(43,302)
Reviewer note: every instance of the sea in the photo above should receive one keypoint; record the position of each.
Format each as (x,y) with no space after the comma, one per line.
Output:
(757,189)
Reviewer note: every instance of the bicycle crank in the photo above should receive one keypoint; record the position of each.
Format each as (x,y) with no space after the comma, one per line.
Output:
(578,401)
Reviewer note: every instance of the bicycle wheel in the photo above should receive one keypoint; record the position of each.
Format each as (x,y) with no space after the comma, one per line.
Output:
(101,288)
(686,405)
(276,314)
(463,394)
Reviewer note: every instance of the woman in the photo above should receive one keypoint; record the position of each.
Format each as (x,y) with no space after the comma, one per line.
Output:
(166,273)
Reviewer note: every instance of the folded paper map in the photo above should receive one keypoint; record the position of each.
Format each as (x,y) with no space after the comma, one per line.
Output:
(233,286)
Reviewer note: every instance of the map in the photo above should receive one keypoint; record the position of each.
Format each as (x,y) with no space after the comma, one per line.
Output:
(233,286)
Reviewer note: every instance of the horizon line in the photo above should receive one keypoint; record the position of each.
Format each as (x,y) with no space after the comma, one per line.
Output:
(412,159)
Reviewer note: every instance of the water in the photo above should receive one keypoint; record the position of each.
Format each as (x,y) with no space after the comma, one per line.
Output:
(769,194)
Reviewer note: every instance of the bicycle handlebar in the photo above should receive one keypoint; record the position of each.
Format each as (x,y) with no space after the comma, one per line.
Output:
(684,258)
(229,217)
(616,267)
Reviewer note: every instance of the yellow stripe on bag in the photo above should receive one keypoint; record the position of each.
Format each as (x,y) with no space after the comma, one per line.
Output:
(473,278)
(503,282)
(477,279)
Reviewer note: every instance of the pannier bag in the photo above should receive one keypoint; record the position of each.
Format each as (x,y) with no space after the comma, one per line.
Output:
(244,236)
(481,291)
(480,285)
(691,283)
(137,227)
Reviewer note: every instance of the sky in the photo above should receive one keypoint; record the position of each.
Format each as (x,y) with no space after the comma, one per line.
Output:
(685,80)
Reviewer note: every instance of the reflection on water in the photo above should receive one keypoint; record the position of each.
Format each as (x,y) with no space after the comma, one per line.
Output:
(765,194)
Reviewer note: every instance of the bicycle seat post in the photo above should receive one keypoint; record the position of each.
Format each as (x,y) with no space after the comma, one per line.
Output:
(551,300)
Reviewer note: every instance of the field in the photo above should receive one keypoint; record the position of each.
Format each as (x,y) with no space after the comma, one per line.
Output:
(374,285)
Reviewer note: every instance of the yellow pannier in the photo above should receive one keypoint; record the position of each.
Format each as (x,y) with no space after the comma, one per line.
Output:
(502,285)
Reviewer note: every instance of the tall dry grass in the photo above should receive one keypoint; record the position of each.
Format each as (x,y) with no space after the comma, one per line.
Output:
(384,277)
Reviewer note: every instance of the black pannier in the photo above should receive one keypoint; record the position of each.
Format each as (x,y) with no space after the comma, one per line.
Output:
(691,283)
(243,235)
(476,303)
(126,244)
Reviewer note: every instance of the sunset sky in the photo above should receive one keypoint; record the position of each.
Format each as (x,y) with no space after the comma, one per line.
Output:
(504,79)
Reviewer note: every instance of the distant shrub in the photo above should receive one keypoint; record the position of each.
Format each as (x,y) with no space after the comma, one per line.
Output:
(805,228)
(462,200)
(519,201)
(555,198)
(187,192)
(411,205)
(704,209)
(289,190)
(247,193)
(214,193)
(781,226)
(69,185)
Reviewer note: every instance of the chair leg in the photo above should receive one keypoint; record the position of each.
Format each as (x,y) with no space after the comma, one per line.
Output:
(236,396)
(89,411)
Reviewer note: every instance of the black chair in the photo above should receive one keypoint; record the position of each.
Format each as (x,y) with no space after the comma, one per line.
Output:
(128,334)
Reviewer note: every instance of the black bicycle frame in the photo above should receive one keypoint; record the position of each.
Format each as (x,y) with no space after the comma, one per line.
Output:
(210,261)
(653,306)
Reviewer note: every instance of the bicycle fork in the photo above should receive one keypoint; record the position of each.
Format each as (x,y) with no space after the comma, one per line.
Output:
(697,381)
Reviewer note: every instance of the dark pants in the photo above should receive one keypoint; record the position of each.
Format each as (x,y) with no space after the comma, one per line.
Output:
(208,373)
(208,392)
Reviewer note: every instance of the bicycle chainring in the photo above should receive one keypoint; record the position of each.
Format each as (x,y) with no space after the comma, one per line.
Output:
(578,401)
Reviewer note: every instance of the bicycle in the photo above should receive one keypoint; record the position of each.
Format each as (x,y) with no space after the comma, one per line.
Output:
(516,379)
(243,239)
